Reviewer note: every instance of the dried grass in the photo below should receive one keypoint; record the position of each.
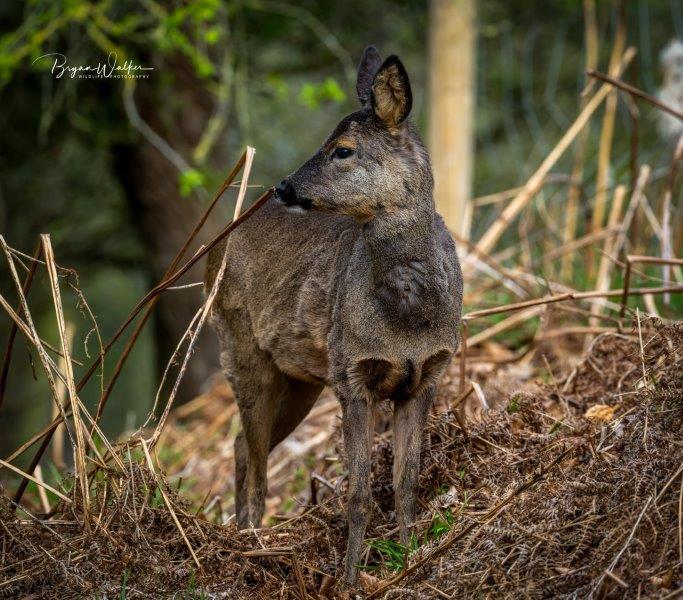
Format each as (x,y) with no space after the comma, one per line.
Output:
(547,504)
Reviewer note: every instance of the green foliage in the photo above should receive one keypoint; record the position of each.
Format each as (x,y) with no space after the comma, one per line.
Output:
(513,405)
(212,35)
(124,585)
(278,85)
(193,592)
(157,499)
(393,554)
(313,95)
(555,427)
(189,181)
(441,523)
(441,490)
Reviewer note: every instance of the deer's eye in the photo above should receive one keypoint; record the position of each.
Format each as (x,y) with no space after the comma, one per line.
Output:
(341,152)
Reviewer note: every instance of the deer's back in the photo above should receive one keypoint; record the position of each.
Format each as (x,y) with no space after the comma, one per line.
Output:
(282,274)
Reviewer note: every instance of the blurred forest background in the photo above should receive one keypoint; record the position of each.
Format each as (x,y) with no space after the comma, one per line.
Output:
(118,170)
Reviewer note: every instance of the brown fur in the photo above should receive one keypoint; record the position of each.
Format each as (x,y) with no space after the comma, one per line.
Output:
(361,292)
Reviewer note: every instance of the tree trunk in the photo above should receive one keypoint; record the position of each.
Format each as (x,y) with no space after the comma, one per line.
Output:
(452,95)
(164,219)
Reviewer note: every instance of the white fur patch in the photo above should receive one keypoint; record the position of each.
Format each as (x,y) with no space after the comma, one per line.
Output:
(296,210)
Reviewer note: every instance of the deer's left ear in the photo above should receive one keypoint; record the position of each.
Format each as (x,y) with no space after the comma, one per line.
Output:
(370,63)
(391,95)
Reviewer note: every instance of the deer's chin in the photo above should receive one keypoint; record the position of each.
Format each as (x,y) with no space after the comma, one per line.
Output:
(296,205)
(297,209)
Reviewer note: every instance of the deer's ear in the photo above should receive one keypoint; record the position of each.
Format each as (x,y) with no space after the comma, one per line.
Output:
(391,95)
(370,63)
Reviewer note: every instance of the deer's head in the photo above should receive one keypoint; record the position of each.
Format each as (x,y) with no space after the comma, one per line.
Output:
(374,161)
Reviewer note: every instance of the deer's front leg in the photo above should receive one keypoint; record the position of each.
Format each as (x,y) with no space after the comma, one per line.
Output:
(410,417)
(357,427)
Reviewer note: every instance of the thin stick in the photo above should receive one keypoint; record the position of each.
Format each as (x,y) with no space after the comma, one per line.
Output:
(654,260)
(628,541)
(634,202)
(79,450)
(493,234)
(171,268)
(46,433)
(28,329)
(455,408)
(634,91)
(573,245)
(202,313)
(496,197)
(668,483)
(477,314)
(577,330)
(574,192)
(463,355)
(505,324)
(627,283)
(462,397)
(607,132)
(603,279)
(248,160)
(13,329)
(667,226)
(41,491)
(168,502)
(501,273)
(58,440)
(34,480)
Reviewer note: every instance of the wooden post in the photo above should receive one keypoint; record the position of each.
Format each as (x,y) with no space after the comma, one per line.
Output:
(452,96)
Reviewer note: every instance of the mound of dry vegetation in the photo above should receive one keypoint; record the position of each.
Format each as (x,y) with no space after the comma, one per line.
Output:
(570,489)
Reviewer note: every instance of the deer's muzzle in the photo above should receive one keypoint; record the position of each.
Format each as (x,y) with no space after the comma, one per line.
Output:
(286,193)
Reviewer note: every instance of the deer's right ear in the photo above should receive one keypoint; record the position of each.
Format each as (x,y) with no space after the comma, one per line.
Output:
(391,95)
(370,63)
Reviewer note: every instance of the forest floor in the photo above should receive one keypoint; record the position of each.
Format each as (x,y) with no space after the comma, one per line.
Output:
(560,477)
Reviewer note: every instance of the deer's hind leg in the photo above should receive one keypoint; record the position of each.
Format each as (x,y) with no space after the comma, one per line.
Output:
(410,418)
(271,405)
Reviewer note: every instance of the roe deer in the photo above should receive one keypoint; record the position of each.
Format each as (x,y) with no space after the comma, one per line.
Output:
(346,278)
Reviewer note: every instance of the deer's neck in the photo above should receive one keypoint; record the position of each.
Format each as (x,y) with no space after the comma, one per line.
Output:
(402,249)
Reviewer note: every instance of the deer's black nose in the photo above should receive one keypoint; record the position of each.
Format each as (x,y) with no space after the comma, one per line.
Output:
(286,193)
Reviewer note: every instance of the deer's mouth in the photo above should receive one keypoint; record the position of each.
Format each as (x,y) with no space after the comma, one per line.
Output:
(286,194)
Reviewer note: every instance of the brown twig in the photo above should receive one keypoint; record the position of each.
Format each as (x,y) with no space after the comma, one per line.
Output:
(172,267)
(13,329)
(296,567)
(607,133)
(463,355)
(630,260)
(160,487)
(634,91)
(36,481)
(493,233)
(79,450)
(477,314)
(46,434)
